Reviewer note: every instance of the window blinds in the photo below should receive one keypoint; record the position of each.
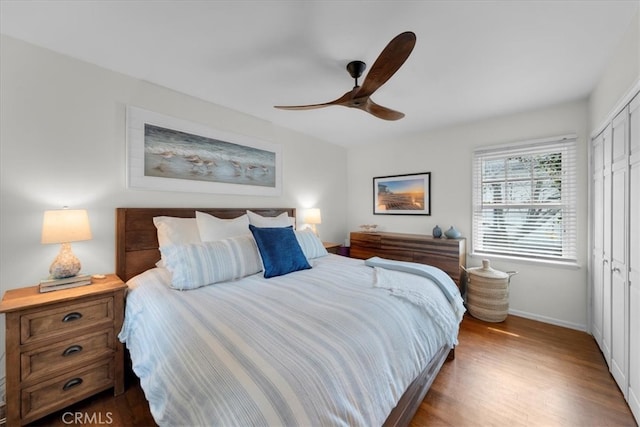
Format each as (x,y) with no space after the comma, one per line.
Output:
(524,200)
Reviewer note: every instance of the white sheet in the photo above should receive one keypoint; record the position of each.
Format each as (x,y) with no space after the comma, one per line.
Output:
(314,347)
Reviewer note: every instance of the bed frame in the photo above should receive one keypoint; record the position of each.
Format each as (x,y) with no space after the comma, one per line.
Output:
(137,251)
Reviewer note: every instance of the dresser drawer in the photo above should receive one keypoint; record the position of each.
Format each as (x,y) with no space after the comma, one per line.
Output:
(444,262)
(58,392)
(396,254)
(60,319)
(362,253)
(370,240)
(64,355)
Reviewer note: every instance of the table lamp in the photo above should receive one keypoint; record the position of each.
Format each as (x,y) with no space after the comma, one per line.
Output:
(312,217)
(65,226)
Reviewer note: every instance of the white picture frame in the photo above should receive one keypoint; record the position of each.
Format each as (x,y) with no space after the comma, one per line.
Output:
(169,154)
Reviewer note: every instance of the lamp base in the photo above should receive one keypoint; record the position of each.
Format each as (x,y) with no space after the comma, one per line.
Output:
(66,263)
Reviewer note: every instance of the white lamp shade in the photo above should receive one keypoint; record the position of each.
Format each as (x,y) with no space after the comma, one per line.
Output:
(312,216)
(65,225)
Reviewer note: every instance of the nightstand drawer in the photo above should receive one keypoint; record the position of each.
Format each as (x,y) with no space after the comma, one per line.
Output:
(58,392)
(65,318)
(53,359)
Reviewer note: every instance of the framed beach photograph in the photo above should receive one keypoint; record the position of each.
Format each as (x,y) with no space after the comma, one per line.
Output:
(171,154)
(408,194)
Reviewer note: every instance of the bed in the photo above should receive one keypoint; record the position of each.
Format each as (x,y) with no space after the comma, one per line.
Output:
(322,345)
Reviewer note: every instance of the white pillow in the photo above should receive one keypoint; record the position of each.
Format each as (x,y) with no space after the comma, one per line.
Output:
(282,220)
(199,264)
(310,244)
(213,228)
(176,231)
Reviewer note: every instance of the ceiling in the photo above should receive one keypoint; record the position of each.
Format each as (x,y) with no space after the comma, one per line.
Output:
(472,60)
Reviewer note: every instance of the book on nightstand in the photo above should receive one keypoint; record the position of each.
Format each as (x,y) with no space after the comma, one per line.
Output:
(48,285)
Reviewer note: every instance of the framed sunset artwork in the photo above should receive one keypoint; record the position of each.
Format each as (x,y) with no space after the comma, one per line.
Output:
(408,194)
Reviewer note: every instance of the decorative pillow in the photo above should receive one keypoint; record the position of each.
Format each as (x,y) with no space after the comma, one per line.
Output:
(279,249)
(205,263)
(176,231)
(310,244)
(213,228)
(282,220)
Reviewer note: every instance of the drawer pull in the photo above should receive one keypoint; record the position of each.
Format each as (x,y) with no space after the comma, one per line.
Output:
(71,383)
(71,350)
(72,316)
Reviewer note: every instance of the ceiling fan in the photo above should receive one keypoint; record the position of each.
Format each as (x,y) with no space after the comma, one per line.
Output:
(389,61)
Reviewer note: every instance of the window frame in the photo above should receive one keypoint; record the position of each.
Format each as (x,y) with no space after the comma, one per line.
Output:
(567,204)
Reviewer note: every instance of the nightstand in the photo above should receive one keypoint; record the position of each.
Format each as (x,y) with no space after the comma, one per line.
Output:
(62,346)
(332,248)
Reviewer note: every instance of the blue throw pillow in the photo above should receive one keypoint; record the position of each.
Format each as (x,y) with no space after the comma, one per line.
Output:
(280,251)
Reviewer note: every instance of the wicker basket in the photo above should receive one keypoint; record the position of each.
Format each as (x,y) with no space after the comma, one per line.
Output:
(491,292)
(488,293)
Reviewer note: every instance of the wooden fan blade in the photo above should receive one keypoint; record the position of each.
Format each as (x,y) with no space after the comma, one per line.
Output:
(343,100)
(380,112)
(388,62)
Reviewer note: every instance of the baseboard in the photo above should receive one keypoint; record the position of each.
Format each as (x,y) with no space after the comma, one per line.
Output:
(634,404)
(550,320)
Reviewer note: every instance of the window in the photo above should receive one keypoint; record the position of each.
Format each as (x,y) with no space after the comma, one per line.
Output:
(524,200)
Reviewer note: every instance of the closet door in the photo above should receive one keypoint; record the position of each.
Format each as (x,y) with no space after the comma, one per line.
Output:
(618,262)
(634,257)
(606,246)
(597,262)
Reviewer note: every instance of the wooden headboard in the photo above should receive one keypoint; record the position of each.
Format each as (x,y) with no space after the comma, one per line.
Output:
(137,240)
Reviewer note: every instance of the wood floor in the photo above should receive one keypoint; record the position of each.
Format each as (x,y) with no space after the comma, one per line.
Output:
(515,373)
(524,373)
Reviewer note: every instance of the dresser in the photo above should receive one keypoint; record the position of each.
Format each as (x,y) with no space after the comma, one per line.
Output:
(446,254)
(62,346)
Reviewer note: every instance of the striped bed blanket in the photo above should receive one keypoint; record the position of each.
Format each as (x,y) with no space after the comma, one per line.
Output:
(317,347)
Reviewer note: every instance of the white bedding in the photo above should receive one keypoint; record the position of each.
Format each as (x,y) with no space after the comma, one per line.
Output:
(316,347)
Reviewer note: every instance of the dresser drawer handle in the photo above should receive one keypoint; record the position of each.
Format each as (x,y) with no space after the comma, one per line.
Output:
(71,350)
(71,383)
(72,316)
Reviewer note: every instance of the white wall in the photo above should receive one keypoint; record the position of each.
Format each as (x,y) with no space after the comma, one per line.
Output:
(62,142)
(621,74)
(552,294)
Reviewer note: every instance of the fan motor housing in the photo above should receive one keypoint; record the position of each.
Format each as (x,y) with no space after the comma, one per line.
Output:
(356,68)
